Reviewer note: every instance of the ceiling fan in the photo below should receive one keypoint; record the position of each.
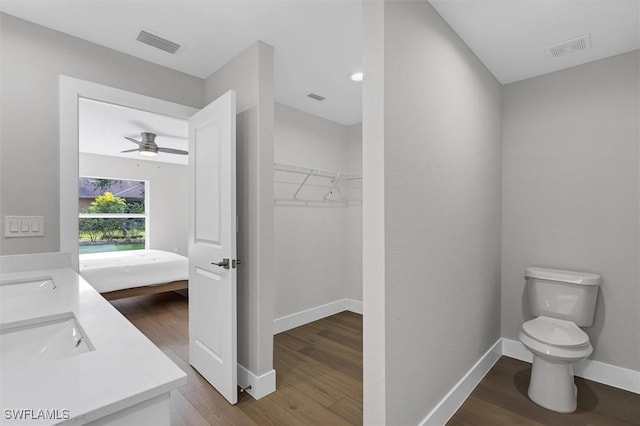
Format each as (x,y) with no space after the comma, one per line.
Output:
(147,146)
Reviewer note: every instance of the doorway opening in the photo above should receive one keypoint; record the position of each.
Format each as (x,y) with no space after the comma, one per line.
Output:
(210,201)
(132,207)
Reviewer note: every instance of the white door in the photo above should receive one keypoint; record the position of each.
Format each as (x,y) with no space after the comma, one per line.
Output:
(212,244)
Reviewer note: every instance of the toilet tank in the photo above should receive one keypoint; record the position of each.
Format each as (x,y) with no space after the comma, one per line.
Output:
(566,295)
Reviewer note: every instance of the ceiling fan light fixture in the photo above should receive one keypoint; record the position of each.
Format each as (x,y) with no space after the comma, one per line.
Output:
(148,147)
(147,153)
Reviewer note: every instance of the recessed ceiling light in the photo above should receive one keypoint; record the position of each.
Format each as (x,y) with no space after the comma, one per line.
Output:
(356,76)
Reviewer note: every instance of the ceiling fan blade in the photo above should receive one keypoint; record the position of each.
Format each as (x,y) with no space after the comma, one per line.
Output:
(132,150)
(133,140)
(173,151)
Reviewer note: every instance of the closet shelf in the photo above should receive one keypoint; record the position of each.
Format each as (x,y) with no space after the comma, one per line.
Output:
(326,187)
(312,172)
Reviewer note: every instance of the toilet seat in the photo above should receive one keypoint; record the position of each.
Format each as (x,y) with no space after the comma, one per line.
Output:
(555,332)
(555,338)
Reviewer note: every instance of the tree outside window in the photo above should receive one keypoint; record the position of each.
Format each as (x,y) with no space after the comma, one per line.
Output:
(115,219)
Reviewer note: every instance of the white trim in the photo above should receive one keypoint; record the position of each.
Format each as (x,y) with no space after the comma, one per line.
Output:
(71,89)
(352,305)
(515,349)
(260,385)
(297,319)
(619,377)
(447,407)
(597,371)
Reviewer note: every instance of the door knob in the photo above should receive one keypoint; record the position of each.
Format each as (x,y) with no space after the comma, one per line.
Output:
(224,264)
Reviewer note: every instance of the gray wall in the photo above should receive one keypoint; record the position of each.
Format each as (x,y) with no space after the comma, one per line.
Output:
(354,214)
(32,59)
(442,190)
(373,211)
(313,243)
(570,196)
(250,74)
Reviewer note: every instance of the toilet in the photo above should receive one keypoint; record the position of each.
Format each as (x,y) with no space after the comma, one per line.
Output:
(562,302)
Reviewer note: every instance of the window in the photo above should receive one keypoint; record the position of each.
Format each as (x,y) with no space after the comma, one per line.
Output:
(112,215)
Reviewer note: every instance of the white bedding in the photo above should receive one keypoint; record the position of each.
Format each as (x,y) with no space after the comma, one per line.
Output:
(127,269)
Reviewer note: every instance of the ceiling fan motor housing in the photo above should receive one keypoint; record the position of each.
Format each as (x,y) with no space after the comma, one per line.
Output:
(148,142)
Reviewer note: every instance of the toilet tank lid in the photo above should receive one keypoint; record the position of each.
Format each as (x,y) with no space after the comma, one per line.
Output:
(573,277)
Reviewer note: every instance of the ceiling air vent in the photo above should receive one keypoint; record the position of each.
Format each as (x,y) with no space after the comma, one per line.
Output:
(316,97)
(158,42)
(570,46)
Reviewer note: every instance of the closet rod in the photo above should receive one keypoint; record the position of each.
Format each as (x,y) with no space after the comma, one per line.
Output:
(313,172)
(307,203)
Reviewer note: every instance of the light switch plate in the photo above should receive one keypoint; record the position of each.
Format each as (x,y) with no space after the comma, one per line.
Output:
(23,226)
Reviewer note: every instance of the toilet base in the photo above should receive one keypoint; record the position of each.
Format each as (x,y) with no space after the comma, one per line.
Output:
(552,385)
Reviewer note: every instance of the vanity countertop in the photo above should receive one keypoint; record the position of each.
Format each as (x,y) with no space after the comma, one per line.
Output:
(123,369)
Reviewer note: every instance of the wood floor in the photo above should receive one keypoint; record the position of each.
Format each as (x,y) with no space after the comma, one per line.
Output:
(319,379)
(501,399)
(319,370)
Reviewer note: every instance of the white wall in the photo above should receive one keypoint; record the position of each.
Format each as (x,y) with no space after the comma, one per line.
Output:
(441,175)
(33,57)
(313,252)
(570,201)
(250,74)
(166,196)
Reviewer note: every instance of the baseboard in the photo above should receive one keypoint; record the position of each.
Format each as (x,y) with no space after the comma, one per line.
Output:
(600,372)
(447,407)
(597,371)
(515,349)
(313,314)
(353,306)
(260,385)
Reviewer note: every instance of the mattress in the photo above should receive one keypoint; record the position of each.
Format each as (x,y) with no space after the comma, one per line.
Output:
(127,269)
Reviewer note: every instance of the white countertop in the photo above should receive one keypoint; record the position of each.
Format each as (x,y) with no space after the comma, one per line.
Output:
(124,369)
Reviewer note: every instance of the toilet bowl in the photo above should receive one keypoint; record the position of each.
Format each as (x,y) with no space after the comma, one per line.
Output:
(556,344)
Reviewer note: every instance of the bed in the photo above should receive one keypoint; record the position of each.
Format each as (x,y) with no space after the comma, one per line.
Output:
(132,273)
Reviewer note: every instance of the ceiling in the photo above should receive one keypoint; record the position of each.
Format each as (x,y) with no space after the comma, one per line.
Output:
(316,42)
(102,128)
(510,36)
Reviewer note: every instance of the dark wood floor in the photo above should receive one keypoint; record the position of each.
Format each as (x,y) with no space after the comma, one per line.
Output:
(319,379)
(501,399)
(318,365)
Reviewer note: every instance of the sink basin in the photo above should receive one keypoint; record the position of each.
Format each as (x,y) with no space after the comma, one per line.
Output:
(32,286)
(43,339)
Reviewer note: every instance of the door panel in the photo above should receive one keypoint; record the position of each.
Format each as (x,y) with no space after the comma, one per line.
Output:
(208,192)
(212,238)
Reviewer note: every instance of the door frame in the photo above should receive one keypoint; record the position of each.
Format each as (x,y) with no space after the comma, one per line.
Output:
(71,89)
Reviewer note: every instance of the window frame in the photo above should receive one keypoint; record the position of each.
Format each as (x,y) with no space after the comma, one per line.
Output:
(144,215)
